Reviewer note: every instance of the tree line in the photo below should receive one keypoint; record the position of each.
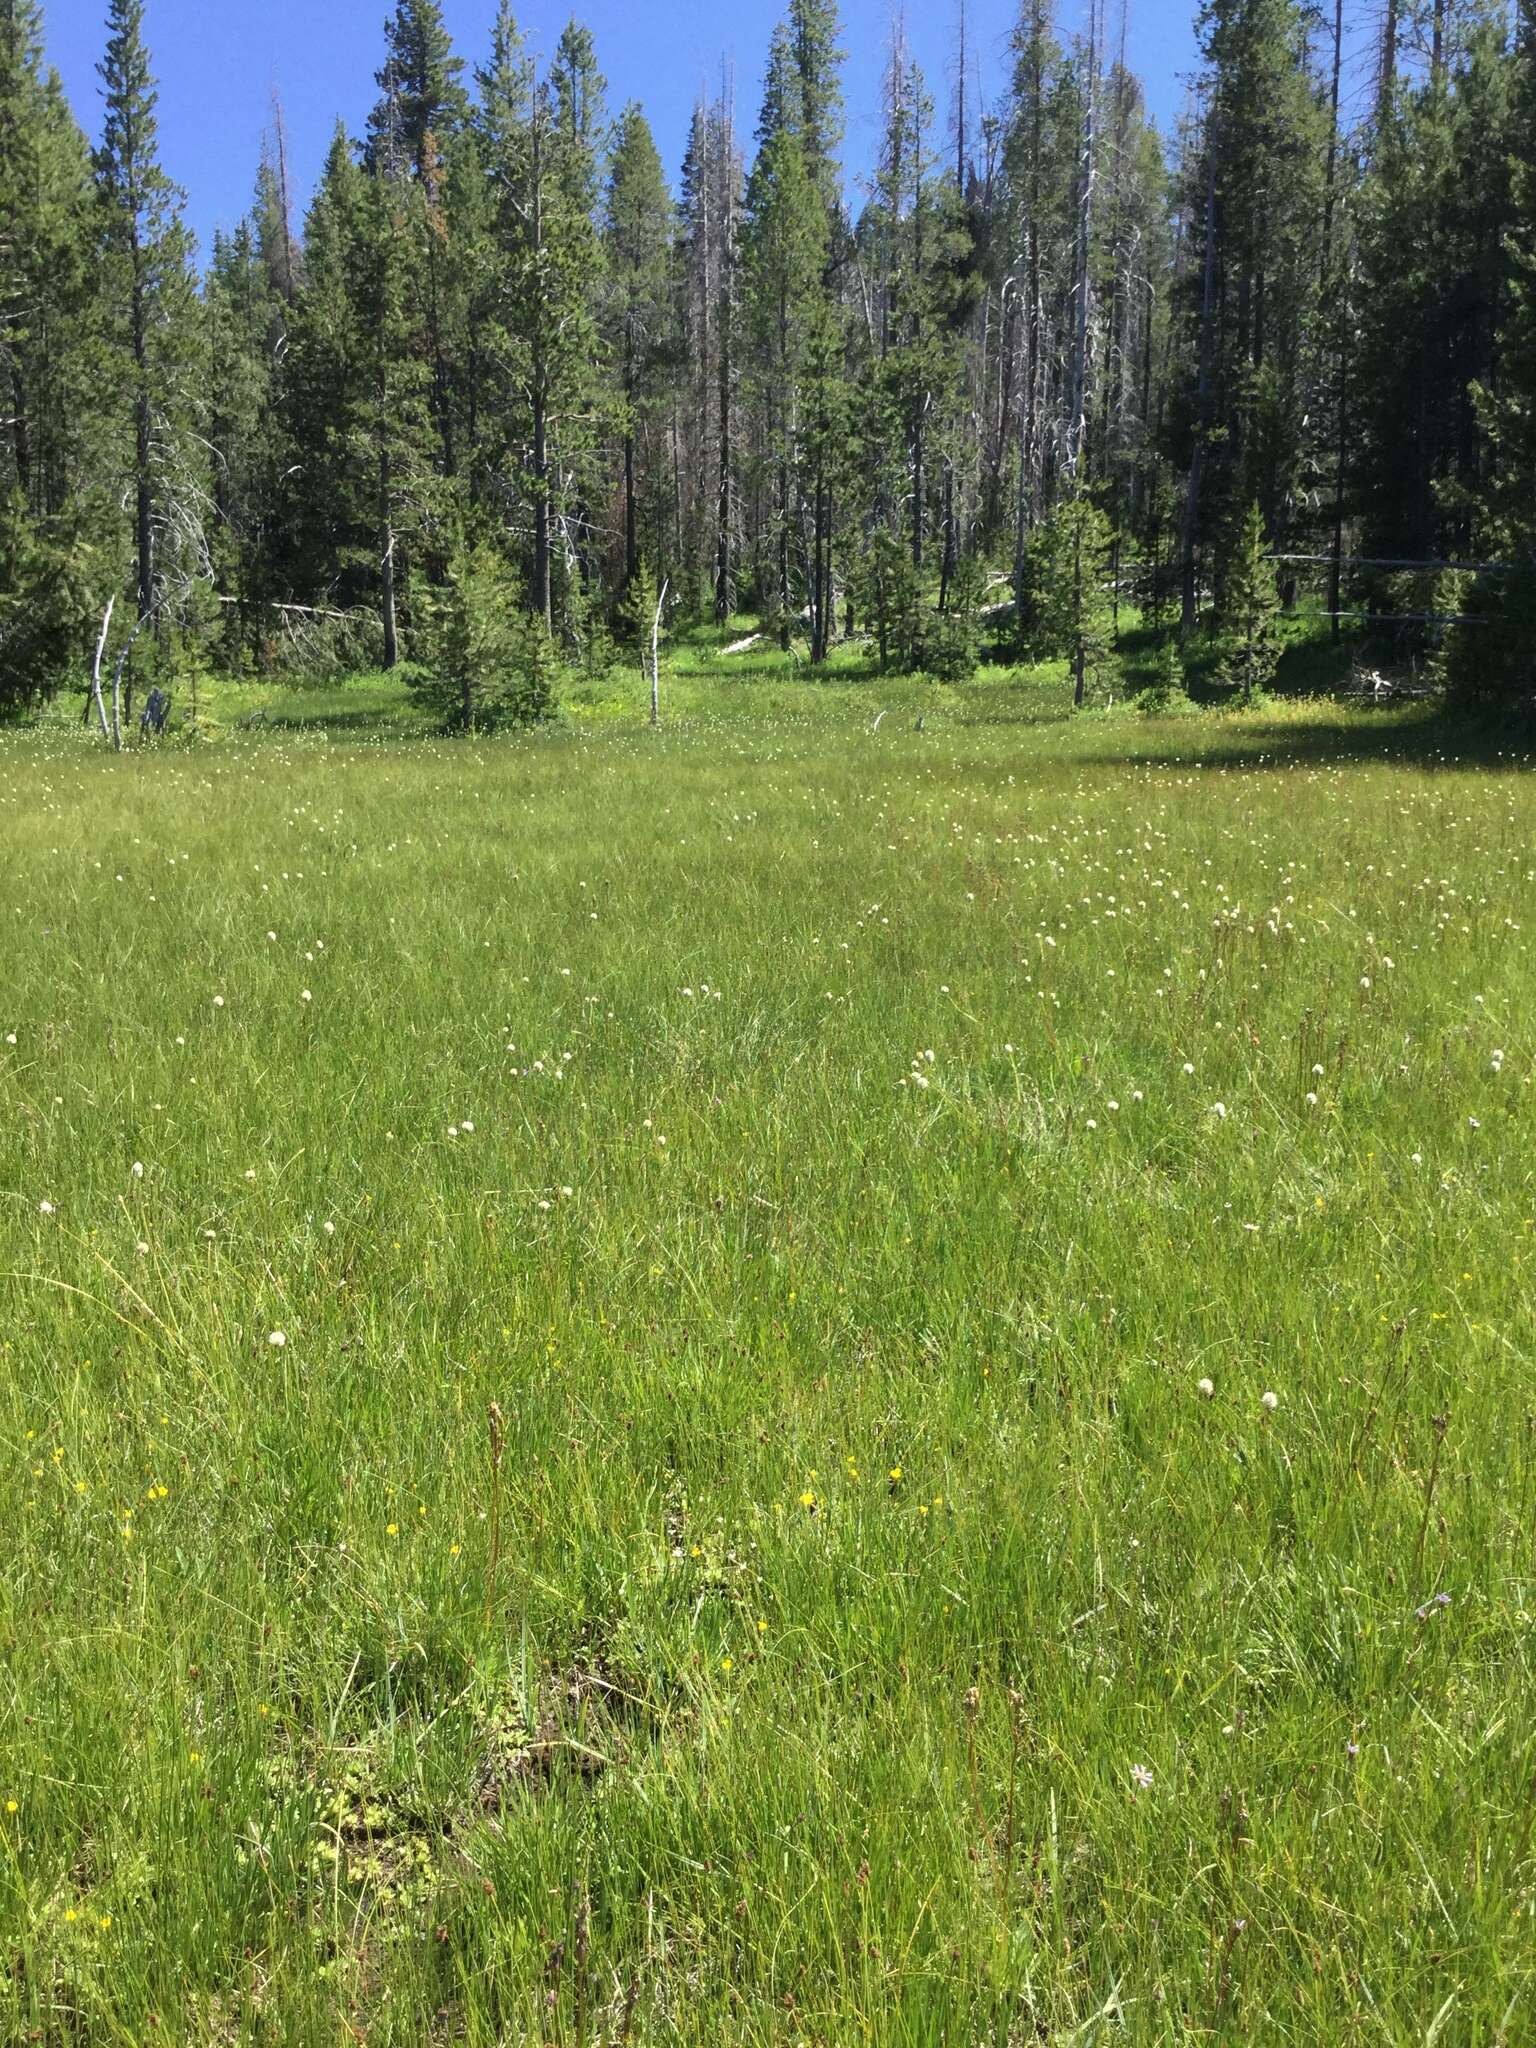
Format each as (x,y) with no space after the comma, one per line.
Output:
(501,383)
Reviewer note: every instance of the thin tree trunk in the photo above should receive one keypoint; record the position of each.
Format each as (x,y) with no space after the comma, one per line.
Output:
(387,563)
(656,655)
(101,648)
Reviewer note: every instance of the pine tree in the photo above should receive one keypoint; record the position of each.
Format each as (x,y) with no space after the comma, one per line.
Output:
(1254,193)
(55,516)
(640,302)
(1252,605)
(422,103)
(1069,558)
(151,313)
(540,142)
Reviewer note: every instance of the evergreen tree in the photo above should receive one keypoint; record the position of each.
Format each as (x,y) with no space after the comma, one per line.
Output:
(1251,608)
(55,515)
(151,314)
(422,103)
(1069,557)
(639,310)
(1255,186)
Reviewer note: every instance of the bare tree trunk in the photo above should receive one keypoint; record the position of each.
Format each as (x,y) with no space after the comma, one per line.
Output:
(101,648)
(656,655)
(1077,428)
(387,563)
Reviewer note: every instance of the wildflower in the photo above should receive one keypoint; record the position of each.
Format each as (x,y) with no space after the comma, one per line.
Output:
(11,1806)
(1351,1750)
(45,1209)
(1219,1111)
(393,1529)
(218,1002)
(1269,1401)
(895,1474)
(305,996)
(277,1339)
(137,1169)
(1473,1123)
(1311,1099)
(808,1499)
(105,1922)
(1141,1777)
(329,1228)
(726,1664)
(1188,1067)
(1208,1388)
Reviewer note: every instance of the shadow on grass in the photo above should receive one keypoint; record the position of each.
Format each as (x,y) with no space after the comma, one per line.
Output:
(1429,737)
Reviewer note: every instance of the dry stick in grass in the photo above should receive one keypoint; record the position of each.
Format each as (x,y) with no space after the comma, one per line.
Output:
(498,1429)
(1441,1424)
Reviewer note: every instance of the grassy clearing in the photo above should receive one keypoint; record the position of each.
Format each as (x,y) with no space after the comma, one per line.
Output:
(843,1157)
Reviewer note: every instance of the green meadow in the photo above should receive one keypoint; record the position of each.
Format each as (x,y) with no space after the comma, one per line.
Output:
(774,1381)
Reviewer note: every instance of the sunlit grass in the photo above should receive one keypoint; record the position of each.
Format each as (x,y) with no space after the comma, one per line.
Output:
(846,1157)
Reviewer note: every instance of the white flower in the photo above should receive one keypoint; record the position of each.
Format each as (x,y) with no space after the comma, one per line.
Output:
(1269,1401)
(45,1208)
(305,996)
(1092,1125)
(142,1248)
(1318,1071)
(1141,1777)
(1189,1067)
(137,1169)
(1418,1158)
(218,1002)
(1111,1105)
(567,1192)
(1365,981)
(272,936)
(453,1130)
(1207,1388)
(10,1038)
(1311,1099)
(1137,1096)
(328,1227)
(1473,1123)
(467,1126)
(277,1339)
(1218,1110)
(544,1205)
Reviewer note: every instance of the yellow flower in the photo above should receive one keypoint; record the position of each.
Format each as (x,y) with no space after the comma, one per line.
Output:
(725,1664)
(895,1473)
(807,1500)
(106,1922)
(11,1806)
(762,1628)
(194,1756)
(453,1550)
(393,1529)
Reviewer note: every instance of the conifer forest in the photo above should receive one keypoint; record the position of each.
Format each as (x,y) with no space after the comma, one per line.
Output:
(498,380)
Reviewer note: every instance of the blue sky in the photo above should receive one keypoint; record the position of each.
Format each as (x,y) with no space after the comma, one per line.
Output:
(219,62)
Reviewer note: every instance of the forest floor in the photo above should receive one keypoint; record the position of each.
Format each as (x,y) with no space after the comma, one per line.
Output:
(772,1382)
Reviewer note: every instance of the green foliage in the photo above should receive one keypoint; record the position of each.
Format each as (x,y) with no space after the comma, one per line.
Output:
(1169,689)
(1250,614)
(487,663)
(1070,605)
(46,599)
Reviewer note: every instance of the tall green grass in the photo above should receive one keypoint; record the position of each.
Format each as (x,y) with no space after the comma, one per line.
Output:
(878,1176)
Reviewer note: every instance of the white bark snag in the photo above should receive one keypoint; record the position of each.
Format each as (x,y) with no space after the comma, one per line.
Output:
(101,648)
(656,655)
